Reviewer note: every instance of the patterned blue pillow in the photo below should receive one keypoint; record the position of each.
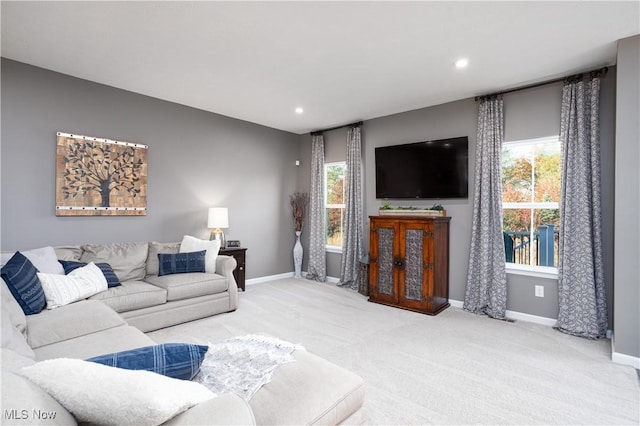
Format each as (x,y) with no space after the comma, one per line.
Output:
(107,270)
(177,360)
(22,279)
(180,263)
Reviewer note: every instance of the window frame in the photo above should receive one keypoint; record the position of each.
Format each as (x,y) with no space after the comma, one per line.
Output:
(330,248)
(531,270)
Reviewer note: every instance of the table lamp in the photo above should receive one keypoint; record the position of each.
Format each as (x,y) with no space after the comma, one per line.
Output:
(218,218)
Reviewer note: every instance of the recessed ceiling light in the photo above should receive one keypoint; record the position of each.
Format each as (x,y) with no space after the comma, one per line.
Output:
(299,110)
(462,63)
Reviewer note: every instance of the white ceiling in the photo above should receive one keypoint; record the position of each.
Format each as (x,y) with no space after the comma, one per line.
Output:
(341,61)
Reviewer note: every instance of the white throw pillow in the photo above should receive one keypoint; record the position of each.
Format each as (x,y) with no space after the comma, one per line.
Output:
(44,259)
(190,244)
(60,290)
(100,394)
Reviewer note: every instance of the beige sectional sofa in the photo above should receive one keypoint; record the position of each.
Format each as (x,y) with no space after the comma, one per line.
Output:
(308,391)
(150,302)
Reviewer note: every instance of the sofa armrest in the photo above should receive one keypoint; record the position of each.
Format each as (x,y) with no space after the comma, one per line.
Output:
(225,265)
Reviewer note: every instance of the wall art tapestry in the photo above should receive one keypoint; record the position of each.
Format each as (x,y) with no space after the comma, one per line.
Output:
(100,177)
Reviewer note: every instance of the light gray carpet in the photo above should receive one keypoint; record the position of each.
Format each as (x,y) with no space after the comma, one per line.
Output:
(454,368)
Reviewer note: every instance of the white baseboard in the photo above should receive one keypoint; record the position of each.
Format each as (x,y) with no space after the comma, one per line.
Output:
(624,359)
(514,315)
(252,281)
(268,278)
(619,358)
(550,322)
(456,303)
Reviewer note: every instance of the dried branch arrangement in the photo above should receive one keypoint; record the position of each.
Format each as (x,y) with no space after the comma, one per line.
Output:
(299,202)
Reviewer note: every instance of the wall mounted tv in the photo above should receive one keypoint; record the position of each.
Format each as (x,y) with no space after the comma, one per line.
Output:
(423,170)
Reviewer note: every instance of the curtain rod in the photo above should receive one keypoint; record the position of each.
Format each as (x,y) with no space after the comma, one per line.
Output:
(599,71)
(319,132)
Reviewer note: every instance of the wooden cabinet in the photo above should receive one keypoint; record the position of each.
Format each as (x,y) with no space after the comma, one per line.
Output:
(240,257)
(409,262)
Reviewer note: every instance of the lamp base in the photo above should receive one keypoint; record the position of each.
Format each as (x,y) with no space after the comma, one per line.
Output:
(217,234)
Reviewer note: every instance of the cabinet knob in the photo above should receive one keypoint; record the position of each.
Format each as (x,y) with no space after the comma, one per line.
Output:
(241,268)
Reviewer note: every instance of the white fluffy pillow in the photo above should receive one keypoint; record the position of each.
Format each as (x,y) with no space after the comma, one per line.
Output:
(190,244)
(60,290)
(100,394)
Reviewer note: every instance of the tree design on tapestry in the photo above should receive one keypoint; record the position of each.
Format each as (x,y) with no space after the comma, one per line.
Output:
(99,176)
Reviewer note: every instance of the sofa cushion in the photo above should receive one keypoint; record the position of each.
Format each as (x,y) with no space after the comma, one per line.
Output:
(114,339)
(69,322)
(316,390)
(11,306)
(107,270)
(81,283)
(186,286)
(180,311)
(22,280)
(68,252)
(229,409)
(132,295)
(155,248)
(126,259)
(105,395)
(13,361)
(212,247)
(177,360)
(12,338)
(44,259)
(181,263)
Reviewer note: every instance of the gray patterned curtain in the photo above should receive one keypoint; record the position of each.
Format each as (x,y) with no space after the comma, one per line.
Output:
(582,300)
(353,221)
(486,277)
(317,268)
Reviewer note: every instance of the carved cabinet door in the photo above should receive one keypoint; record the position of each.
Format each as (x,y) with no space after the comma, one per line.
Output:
(383,261)
(415,279)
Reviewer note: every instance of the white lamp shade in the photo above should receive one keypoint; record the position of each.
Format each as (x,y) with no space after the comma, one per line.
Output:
(218,217)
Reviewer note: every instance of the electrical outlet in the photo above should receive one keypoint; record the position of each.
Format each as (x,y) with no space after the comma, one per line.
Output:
(539,291)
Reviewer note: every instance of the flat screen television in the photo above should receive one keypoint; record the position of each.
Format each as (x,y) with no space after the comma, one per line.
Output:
(424,170)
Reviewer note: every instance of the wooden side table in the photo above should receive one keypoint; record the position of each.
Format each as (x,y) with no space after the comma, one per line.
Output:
(239,254)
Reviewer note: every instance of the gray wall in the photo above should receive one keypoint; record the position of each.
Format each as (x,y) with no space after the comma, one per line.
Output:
(529,114)
(196,160)
(627,201)
(438,122)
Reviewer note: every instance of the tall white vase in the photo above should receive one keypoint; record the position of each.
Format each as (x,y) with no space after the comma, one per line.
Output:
(297,256)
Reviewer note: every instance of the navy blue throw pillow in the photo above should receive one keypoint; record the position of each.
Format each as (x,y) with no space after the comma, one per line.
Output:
(22,279)
(107,270)
(177,360)
(180,263)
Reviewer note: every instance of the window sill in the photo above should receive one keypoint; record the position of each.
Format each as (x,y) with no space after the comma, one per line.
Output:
(533,271)
(333,249)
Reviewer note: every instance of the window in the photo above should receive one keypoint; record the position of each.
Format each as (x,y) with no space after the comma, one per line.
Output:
(334,204)
(530,201)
